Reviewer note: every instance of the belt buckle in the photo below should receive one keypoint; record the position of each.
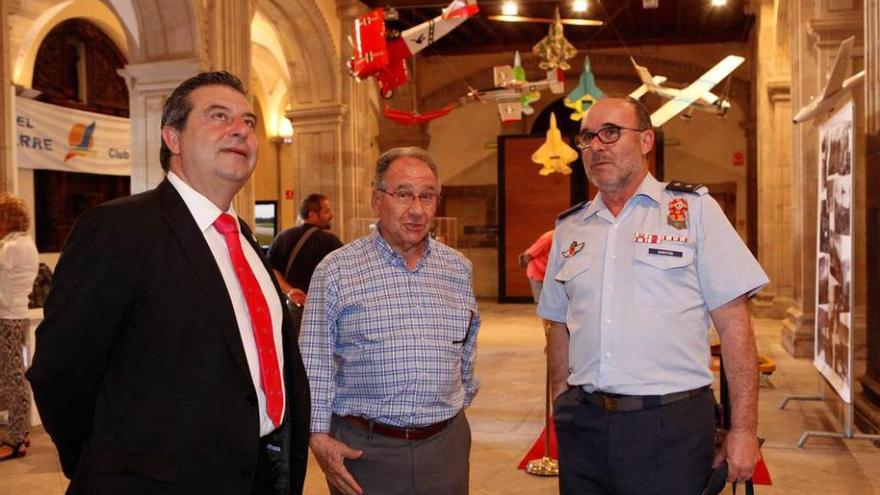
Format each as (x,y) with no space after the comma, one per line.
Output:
(609,403)
(406,432)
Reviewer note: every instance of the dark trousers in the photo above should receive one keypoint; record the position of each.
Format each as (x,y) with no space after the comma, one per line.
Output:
(438,465)
(665,450)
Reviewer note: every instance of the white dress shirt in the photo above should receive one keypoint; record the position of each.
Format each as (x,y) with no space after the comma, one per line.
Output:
(205,213)
(19,262)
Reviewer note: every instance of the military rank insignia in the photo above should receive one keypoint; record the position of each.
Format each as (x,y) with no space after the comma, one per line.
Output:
(573,249)
(678,211)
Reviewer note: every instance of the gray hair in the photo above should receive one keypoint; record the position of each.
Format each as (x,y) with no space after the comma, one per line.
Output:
(386,159)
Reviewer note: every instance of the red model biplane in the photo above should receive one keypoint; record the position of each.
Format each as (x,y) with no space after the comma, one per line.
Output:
(380,54)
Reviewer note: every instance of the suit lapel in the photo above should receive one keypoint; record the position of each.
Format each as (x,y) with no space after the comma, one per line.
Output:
(195,248)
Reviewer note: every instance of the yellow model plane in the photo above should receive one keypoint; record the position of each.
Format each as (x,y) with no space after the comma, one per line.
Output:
(554,154)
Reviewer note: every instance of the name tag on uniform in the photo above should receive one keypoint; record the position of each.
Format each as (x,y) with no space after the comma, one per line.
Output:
(665,252)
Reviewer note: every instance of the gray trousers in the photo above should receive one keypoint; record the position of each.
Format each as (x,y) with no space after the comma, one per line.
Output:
(438,465)
(536,287)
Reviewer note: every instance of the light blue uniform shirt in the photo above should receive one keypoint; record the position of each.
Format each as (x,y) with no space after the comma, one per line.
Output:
(636,290)
(388,343)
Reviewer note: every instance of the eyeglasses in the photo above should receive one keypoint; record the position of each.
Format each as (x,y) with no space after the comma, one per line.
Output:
(607,135)
(406,198)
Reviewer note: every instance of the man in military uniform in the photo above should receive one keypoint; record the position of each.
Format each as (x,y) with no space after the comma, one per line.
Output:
(632,280)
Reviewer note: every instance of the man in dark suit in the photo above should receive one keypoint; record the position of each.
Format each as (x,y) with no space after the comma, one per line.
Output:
(165,363)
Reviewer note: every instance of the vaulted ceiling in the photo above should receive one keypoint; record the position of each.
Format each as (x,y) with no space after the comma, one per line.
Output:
(672,22)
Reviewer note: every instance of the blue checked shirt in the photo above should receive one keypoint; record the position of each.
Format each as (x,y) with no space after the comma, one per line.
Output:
(389,344)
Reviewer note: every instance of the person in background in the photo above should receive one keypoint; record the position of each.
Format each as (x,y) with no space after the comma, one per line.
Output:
(18,269)
(296,252)
(534,260)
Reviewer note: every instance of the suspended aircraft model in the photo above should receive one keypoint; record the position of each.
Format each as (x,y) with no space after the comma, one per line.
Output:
(514,94)
(835,88)
(554,49)
(382,53)
(554,154)
(697,94)
(584,94)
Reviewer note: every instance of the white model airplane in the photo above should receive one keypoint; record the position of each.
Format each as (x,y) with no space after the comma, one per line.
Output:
(514,94)
(835,88)
(697,94)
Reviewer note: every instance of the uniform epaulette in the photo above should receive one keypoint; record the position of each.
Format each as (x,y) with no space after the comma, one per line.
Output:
(686,187)
(571,210)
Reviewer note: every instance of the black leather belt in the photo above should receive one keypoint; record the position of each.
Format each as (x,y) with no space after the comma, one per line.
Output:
(629,403)
(412,434)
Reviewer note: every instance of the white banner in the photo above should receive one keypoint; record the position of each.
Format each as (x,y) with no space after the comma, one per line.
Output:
(833,355)
(60,138)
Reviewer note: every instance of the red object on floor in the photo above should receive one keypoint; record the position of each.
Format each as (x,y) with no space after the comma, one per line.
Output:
(761,476)
(537,450)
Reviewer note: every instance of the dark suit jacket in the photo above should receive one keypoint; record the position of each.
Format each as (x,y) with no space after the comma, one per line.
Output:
(139,373)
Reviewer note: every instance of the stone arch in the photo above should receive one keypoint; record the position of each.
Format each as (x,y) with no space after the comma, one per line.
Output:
(97,12)
(160,29)
(313,61)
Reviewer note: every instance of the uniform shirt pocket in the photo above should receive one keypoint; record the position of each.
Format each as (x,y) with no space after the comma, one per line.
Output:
(572,267)
(663,272)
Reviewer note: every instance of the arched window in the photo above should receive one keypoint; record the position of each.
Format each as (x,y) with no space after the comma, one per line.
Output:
(76,67)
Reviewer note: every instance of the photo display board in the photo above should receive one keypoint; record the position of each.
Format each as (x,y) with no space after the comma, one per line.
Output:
(833,354)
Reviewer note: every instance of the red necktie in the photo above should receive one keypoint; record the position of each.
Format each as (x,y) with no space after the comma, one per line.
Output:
(261,319)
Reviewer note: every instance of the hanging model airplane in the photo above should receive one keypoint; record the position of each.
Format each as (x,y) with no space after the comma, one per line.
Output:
(381,54)
(554,154)
(584,94)
(514,94)
(697,94)
(835,88)
(554,49)
(415,118)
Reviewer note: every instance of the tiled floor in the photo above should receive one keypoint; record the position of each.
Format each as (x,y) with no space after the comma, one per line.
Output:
(507,416)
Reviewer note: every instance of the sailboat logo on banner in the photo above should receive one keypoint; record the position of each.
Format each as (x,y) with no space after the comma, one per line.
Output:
(81,140)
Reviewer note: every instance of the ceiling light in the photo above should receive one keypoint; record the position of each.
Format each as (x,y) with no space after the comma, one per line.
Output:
(510,8)
(719,3)
(579,6)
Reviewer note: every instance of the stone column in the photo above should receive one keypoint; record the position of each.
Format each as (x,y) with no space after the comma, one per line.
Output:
(773,108)
(7,130)
(317,165)
(229,48)
(867,402)
(774,200)
(359,130)
(149,84)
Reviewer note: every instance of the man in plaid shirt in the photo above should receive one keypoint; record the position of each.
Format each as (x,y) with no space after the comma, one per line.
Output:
(388,339)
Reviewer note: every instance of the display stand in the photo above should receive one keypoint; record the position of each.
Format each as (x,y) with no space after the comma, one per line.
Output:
(546,465)
(846,434)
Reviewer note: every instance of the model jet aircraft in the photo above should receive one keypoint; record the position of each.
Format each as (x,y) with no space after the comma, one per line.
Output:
(697,94)
(381,54)
(835,88)
(554,49)
(514,94)
(554,154)
(584,94)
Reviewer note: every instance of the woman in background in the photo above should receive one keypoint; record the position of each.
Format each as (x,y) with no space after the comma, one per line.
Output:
(18,269)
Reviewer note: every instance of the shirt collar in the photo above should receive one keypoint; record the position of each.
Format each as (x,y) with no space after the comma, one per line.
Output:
(393,257)
(201,208)
(650,187)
